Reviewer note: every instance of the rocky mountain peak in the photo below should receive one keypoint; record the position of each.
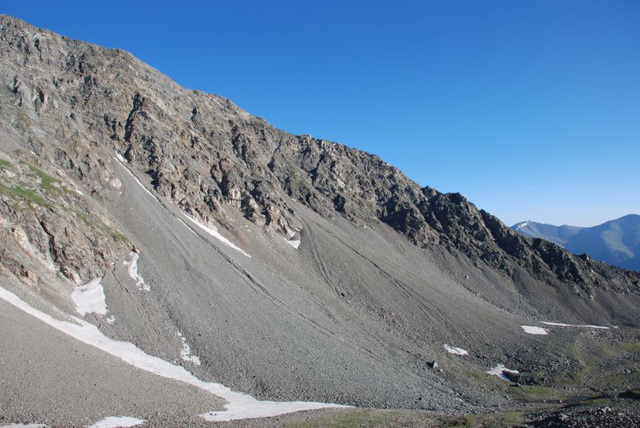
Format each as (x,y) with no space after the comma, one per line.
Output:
(77,103)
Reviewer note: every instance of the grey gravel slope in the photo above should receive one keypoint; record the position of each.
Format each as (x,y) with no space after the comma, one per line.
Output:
(50,378)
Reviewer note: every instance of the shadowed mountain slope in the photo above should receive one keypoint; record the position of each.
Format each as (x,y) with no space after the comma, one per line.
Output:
(616,242)
(556,234)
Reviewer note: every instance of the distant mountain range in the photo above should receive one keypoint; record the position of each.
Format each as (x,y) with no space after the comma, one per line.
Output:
(616,242)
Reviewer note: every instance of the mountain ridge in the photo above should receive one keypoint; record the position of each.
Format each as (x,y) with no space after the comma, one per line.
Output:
(614,242)
(422,214)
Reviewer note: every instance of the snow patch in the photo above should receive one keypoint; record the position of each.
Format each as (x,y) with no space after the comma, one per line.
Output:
(522,226)
(120,158)
(215,234)
(250,408)
(90,298)
(117,421)
(185,353)
(111,320)
(500,371)
(240,406)
(455,351)
(295,243)
(559,324)
(133,272)
(530,329)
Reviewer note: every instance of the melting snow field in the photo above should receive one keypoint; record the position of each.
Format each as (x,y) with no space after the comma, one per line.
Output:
(530,329)
(133,271)
(185,353)
(559,324)
(216,234)
(500,370)
(90,298)
(240,406)
(117,421)
(455,351)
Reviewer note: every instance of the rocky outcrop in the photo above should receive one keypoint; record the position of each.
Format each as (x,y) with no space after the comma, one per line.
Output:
(48,228)
(73,103)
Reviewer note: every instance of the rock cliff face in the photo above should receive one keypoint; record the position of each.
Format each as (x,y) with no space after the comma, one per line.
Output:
(209,156)
(46,218)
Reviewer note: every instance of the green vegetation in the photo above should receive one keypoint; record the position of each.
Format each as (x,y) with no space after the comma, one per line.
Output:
(601,365)
(408,418)
(537,393)
(362,418)
(513,418)
(25,194)
(47,182)
(500,419)
(632,347)
(4,164)
(478,375)
(95,224)
(115,234)
(466,421)
(84,218)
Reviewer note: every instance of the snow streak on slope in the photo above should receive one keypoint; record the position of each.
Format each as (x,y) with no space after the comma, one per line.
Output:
(117,421)
(240,406)
(455,351)
(187,226)
(216,235)
(211,231)
(135,178)
(90,298)
(559,324)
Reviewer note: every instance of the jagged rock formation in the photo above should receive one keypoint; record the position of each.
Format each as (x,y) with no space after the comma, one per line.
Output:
(206,154)
(385,275)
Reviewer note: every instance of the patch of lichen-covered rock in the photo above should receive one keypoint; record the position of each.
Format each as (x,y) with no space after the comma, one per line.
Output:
(47,228)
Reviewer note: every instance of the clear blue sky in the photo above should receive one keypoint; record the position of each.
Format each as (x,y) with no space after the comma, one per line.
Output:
(530,108)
